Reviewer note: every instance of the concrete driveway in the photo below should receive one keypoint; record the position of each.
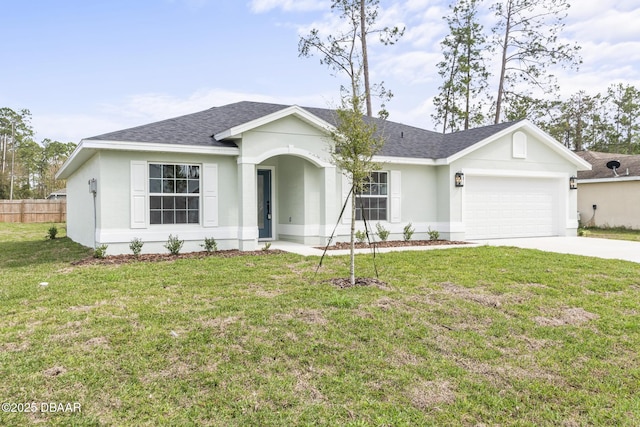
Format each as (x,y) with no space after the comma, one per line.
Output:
(601,248)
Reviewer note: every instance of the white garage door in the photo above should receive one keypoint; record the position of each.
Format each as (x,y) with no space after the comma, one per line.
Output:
(503,207)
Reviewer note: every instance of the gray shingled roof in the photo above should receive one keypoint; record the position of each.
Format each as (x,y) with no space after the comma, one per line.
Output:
(199,128)
(599,162)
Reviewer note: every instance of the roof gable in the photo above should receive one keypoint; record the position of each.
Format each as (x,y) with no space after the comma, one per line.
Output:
(488,134)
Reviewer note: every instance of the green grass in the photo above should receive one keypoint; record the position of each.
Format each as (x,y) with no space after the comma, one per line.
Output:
(617,233)
(468,336)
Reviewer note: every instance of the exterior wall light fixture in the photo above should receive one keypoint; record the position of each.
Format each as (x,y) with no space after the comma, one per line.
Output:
(459,179)
(573,183)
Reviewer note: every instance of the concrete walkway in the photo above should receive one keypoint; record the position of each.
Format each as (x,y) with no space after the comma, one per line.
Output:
(300,249)
(587,246)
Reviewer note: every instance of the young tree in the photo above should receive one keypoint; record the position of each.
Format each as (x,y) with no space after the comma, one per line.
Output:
(347,51)
(463,69)
(355,141)
(527,36)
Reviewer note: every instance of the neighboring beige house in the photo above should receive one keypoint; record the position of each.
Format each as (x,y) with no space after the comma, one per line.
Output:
(250,172)
(609,194)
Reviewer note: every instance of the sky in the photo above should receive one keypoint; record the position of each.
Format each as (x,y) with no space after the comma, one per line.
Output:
(87,67)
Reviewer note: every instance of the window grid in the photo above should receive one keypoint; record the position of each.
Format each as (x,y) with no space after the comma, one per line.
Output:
(373,199)
(174,194)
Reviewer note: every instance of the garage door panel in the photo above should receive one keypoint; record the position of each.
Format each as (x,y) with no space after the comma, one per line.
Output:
(497,207)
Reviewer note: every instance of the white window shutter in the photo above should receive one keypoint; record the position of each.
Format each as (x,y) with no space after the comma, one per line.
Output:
(346,188)
(138,194)
(395,195)
(209,189)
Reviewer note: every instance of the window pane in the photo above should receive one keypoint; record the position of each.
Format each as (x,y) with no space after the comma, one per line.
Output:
(382,177)
(181,203)
(155,217)
(382,214)
(182,171)
(181,217)
(194,186)
(167,217)
(181,186)
(168,203)
(194,218)
(382,203)
(168,186)
(383,190)
(155,202)
(155,171)
(372,215)
(168,171)
(193,203)
(194,172)
(155,185)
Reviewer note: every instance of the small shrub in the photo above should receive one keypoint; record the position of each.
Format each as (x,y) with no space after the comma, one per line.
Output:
(382,233)
(136,246)
(360,236)
(433,234)
(582,232)
(267,246)
(100,251)
(52,232)
(407,232)
(174,244)
(210,244)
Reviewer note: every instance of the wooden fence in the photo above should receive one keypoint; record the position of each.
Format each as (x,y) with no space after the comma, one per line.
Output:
(33,210)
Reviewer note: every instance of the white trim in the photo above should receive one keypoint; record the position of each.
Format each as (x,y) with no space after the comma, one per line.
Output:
(290,150)
(88,147)
(612,179)
(515,173)
(160,233)
(408,161)
(159,147)
(237,131)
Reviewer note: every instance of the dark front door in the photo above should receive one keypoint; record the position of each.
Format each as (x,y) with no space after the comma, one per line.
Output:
(265,204)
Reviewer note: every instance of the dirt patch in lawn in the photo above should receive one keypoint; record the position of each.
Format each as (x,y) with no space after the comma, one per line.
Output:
(127,258)
(392,244)
(344,282)
(569,316)
(432,394)
(475,295)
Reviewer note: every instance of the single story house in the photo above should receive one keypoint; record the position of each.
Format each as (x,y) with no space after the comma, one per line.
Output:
(609,193)
(250,172)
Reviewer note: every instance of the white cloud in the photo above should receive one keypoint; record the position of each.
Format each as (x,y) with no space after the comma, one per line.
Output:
(141,109)
(262,6)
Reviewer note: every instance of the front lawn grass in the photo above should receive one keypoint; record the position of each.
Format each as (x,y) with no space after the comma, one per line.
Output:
(468,336)
(617,233)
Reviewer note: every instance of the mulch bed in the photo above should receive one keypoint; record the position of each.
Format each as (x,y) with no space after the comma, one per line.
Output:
(127,258)
(393,244)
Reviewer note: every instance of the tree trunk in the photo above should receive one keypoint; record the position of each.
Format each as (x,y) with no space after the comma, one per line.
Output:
(352,268)
(365,57)
(503,66)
